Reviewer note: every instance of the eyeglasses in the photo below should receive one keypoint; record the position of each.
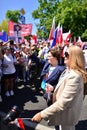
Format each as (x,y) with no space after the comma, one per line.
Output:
(67,54)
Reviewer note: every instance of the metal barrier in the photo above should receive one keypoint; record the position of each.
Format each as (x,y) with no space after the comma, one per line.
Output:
(29,125)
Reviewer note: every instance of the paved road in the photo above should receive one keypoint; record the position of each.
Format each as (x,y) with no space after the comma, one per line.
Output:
(30,102)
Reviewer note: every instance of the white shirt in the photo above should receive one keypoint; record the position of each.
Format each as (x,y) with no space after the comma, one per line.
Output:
(51,68)
(45,52)
(9,61)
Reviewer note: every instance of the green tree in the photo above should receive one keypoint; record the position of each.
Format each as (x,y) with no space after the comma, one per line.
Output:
(4,26)
(72,15)
(13,15)
(45,14)
(84,35)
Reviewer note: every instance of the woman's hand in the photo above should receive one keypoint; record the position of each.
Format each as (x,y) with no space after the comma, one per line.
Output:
(37,117)
(49,87)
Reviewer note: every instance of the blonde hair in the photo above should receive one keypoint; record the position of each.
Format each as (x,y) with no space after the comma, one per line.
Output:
(77,61)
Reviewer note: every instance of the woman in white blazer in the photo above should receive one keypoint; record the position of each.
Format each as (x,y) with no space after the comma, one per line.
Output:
(68,94)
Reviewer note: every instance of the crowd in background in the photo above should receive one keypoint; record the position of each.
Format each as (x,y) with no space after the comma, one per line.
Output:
(16,63)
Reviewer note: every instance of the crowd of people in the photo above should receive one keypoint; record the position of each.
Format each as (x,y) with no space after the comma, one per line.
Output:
(68,94)
(62,72)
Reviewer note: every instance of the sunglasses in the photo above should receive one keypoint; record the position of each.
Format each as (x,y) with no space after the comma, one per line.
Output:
(67,54)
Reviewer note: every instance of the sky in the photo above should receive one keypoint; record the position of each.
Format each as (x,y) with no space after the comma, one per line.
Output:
(28,5)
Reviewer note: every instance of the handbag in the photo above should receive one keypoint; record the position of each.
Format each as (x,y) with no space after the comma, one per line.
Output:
(48,97)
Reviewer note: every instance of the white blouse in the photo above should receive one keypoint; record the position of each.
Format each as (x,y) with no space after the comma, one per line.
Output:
(9,61)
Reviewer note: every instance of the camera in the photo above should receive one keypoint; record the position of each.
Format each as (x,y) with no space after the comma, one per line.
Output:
(12,115)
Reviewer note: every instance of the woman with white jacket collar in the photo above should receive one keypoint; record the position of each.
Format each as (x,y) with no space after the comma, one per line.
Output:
(68,94)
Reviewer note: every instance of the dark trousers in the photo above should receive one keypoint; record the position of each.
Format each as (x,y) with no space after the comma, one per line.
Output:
(56,127)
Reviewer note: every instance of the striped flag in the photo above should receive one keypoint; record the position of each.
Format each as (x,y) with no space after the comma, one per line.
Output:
(54,39)
(68,37)
(59,37)
(52,31)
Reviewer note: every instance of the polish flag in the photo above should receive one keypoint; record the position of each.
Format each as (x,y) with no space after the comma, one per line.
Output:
(33,39)
(52,31)
(61,35)
(68,37)
(57,37)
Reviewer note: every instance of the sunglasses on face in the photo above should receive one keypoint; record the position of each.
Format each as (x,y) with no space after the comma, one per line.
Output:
(67,54)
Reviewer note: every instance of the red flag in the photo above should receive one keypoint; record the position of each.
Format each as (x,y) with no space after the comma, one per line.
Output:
(34,39)
(68,37)
(61,35)
(19,123)
(52,31)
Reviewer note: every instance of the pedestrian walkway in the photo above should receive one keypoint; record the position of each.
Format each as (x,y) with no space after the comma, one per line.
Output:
(31,102)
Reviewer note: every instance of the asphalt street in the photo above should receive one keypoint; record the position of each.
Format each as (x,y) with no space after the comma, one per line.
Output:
(31,102)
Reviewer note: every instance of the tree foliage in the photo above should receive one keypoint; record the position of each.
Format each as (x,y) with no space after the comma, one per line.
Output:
(72,15)
(13,15)
(45,14)
(4,26)
(10,15)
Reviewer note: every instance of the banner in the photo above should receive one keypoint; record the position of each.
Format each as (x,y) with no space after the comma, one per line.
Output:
(19,30)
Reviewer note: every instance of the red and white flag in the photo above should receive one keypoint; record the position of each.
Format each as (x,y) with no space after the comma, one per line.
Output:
(52,31)
(57,37)
(68,37)
(79,41)
(33,39)
(60,35)
(19,123)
